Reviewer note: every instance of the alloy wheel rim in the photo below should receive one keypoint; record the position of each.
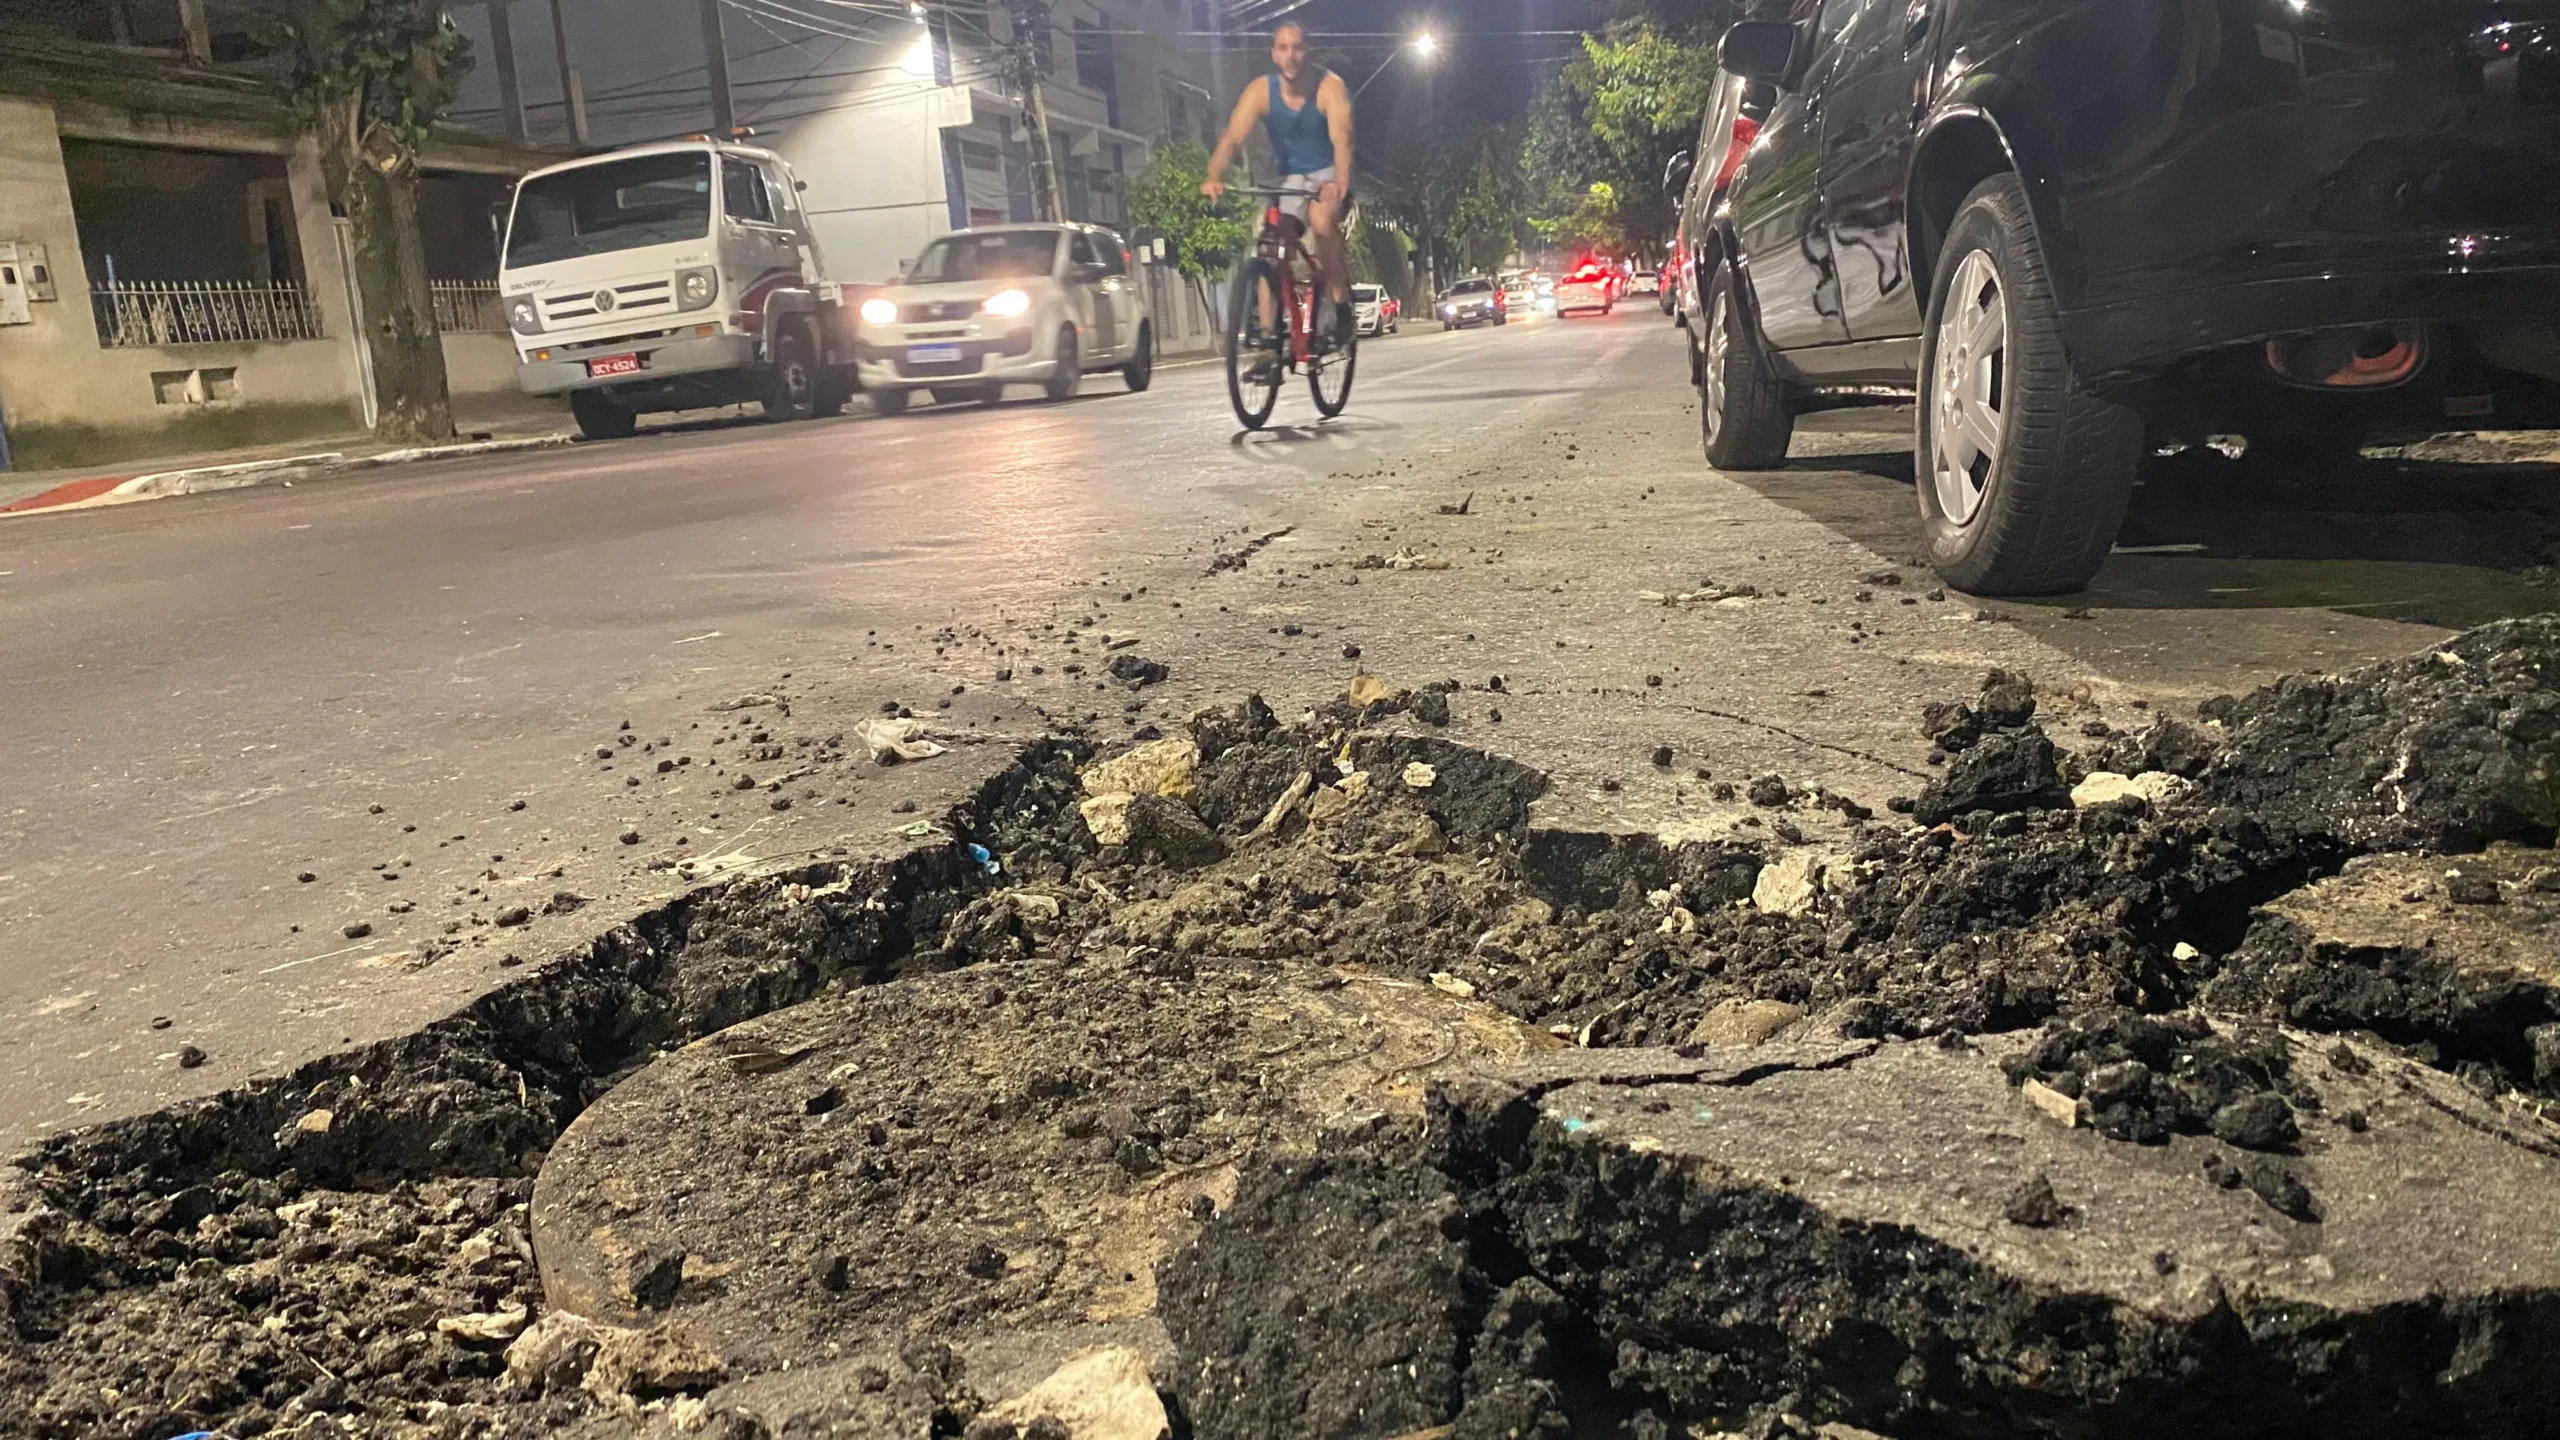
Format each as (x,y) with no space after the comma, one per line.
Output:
(1716,349)
(1968,419)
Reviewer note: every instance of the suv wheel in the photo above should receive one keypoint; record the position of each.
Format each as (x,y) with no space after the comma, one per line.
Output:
(2024,474)
(1141,369)
(1742,410)
(1061,384)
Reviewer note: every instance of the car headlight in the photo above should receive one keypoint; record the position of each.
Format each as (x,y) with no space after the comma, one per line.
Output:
(697,288)
(523,318)
(1008,303)
(880,310)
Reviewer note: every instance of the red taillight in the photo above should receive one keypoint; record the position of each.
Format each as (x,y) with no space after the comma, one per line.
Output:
(1745,130)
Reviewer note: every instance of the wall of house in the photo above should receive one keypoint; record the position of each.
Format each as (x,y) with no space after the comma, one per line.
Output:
(70,400)
(479,364)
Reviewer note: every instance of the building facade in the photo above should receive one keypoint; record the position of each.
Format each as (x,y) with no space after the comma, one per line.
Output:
(180,282)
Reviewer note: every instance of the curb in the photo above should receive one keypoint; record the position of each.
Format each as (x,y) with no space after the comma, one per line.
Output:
(204,479)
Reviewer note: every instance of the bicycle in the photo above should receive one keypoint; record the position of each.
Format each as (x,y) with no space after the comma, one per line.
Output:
(1268,283)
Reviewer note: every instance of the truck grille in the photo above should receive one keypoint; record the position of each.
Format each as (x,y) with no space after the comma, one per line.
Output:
(924,312)
(638,298)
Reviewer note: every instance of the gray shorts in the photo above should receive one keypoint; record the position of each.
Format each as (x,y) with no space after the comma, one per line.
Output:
(1302,196)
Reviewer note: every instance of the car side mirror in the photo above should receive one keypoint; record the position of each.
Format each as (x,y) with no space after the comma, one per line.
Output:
(1762,50)
(1087,273)
(1676,174)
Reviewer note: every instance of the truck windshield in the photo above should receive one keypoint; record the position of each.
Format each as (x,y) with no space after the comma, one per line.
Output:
(1000,255)
(619,205)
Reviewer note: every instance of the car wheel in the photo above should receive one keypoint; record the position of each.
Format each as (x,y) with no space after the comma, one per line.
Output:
(888,400)
(1140,372)
(791,385)
(599,418)
(1061,384)
(1742,408)
(2024,475)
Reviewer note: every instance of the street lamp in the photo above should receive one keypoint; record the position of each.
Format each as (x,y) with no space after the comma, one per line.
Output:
(1423,45)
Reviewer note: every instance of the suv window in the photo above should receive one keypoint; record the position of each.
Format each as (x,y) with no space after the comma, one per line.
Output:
(1113,255)
(1082,253)
(742,192)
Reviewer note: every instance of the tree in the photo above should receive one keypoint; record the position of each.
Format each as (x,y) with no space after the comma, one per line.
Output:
(368,78)
(1202,238)
(1614,117)
(1456,190)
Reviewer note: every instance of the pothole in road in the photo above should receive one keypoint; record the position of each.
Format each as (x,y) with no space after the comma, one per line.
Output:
(1016,1094)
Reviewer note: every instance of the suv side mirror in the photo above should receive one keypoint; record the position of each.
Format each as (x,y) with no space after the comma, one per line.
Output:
(1762,50)
(1087,272)
(1676,174)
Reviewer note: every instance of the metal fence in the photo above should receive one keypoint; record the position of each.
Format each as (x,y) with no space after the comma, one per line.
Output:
(202,312)
(465,306)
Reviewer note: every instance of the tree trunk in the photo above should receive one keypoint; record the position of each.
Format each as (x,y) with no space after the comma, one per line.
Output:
(376,185)
(1217,324)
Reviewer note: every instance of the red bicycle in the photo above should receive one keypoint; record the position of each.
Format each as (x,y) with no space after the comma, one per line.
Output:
(1271,322)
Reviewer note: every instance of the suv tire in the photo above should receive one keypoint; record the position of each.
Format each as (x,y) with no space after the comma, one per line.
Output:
(1742,409)
(1061,384)
(599,418)
(2027,492)
(1140,372)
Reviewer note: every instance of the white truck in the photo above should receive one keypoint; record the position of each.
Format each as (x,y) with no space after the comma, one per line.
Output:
(672,277)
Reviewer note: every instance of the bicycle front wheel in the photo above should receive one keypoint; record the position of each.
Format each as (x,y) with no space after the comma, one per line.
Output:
(1257,331)
(1330,377)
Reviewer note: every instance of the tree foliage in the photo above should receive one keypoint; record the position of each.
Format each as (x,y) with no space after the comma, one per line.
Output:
(368,78)
(1603,129)
(1456,190)
(1203,238)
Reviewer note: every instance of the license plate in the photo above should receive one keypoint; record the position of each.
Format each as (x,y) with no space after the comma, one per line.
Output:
(933,354)
(613,365)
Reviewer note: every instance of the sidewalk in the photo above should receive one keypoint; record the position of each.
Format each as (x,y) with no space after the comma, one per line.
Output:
(508,420)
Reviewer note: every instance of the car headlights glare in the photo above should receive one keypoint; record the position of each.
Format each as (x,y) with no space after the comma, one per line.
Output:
(879,310)
(1008,303)
(523,317)
(697,287)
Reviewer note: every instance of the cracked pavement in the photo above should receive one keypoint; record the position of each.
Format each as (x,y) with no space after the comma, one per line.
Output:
(211,697)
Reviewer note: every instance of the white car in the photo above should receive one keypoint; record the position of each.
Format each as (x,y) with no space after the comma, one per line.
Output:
(1006,305)
(1588,287)
(1376,310)
(1645,282)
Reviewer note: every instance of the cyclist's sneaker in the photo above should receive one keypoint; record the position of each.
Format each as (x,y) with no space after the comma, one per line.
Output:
(1263,370)
(1346,324)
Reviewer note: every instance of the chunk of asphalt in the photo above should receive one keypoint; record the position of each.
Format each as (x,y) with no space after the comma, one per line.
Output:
(1633,1242)
(2004,771)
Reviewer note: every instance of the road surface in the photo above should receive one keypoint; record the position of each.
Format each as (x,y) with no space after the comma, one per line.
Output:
(398,684)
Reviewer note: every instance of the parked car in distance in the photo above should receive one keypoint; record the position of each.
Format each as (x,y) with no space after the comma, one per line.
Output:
(1009,304)
(1588,286)
(1472,301)
(2343,229)
(1645,282)
(1378,312)
(1733,122)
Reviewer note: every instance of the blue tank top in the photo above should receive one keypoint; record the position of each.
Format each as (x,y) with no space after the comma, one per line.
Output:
(1301,139)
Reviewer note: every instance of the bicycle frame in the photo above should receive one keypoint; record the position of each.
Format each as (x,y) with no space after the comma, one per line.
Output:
(1278,246)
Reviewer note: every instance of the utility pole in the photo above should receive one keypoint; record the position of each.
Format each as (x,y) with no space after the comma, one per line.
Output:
(715,58)
(572,102)
(502,40)
(1029,18)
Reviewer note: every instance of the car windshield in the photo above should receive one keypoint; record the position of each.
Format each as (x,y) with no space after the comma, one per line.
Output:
(1365,294)
(999,255)
(618,205)
(1471,287)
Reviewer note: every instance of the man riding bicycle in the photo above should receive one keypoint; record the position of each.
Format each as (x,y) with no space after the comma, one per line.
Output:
(1307,111)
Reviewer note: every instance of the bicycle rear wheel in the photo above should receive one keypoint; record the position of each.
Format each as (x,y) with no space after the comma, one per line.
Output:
(1254,350)
(1330,377)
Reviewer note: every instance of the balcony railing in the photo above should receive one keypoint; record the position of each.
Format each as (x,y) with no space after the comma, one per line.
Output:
(202,312)
(467,306)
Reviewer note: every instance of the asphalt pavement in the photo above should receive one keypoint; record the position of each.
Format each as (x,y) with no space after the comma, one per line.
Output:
(413,686)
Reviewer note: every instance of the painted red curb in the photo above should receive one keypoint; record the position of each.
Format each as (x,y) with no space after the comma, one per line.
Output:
(67,494)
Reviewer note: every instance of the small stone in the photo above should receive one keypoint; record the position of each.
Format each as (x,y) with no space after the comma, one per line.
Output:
(1653,682)
(2256,1122)
(315,1122)
(1350,652)
(2471,887)
(160,1022)
(515,804)
(904,807)
(189,1057)
(306,877)
(2034,1204)
(630,837)
(1448,984)
(832,1272)
(357,930)
(1662,757)
(1769,790)
(373,809)
(514,915)
(1741,1024)
(2058,1107)
(650,1278)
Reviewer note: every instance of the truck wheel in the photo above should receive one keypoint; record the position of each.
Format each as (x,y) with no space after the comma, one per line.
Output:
(1061,384)
(1742,409)
(1140,372)
(599,418)
(2024,474)
(791,387)
(835,391)
(887,400)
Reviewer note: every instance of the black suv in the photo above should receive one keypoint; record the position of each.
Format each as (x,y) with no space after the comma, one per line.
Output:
(2085,230)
